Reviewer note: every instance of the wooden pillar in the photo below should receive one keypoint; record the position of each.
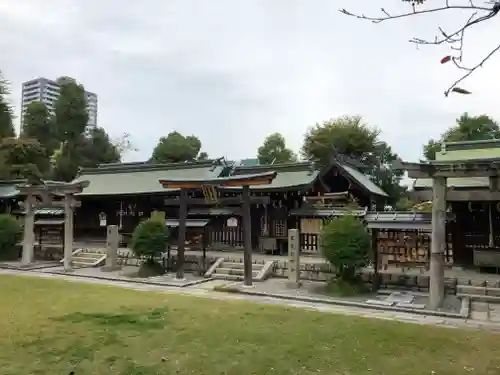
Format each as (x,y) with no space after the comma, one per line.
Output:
(29,232)
(438,243)
(182,234)
(247,237)
(68,232)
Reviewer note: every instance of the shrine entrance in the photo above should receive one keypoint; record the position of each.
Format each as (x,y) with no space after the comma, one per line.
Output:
(210,191)
(38,196)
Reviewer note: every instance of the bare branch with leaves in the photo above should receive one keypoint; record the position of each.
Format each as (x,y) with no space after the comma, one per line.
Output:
(455,38)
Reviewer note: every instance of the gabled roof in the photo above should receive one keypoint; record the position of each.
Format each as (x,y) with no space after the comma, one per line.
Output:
(361,179)
(289,175)
(143,178)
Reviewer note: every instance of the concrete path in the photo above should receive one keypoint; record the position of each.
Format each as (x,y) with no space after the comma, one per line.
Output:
(205,290)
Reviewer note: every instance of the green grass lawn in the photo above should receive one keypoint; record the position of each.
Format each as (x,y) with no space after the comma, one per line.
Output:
(54,327)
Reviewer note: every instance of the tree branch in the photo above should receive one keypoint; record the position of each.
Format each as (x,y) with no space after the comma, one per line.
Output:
(455,39)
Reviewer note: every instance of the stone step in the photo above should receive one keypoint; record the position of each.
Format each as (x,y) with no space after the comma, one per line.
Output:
(234,271)
(86,257)
(238,265)
(82,264)
(220,276)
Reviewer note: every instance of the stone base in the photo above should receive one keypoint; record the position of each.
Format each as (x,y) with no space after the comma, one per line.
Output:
(247,286)
(293,284)
(110,268)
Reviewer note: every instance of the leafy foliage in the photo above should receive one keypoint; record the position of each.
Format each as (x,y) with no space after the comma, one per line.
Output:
(6,115)
(350,136)
(150,238)
(38,124)
(274,150)
(345,243)
(176,148)
(22,158)
(347,135)
(467,128)
(10,233)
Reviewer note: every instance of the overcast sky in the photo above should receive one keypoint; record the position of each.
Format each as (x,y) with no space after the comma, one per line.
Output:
(231,72)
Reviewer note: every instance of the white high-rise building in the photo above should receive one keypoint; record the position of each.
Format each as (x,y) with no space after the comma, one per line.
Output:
(47,92)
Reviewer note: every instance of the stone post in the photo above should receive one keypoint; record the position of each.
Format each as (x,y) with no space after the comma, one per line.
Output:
(68,232)
(438,243)
(293,258)
(112,240)
(29,232)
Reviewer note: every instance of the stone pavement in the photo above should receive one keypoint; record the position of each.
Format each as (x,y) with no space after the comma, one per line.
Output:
(205,290)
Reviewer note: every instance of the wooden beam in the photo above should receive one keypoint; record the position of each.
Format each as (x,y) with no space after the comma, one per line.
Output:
(459,195)
(220,201)
(242,180)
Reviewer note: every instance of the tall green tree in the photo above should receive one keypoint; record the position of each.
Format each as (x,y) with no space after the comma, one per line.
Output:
(352,137)
(347,135)
(71,116)
(175,148)
(467,128)
(6,115)
(39,125)
(274,150)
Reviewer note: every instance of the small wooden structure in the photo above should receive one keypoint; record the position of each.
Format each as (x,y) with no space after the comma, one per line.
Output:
(403,239)
(209,188)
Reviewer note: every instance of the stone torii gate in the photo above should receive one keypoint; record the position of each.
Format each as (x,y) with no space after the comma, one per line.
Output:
(439,172)
(42,195)
(244,181)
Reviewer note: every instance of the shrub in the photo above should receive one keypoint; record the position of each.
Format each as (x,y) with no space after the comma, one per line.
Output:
(150,238)
(11,232)
(345,243)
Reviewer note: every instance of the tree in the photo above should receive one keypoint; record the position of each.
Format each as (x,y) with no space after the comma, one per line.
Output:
(71,114)
(351,137)
(10,235)
(175,148)
(38,124)
(77,145)
(467,128)
(22,158)
(476,14)
(96,148)
(6,115)
(274,150)
(202,156)
(150,238)
(345,243)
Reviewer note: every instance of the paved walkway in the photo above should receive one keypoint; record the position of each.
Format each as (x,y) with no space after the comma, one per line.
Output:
(206,290)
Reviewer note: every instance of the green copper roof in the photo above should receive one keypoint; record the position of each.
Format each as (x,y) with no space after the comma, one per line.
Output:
(143,178)
(465,151)
(289,175)
(363,180)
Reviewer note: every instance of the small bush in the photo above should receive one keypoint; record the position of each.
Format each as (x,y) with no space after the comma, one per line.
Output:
(150,238)
(345,243)
(11,232)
